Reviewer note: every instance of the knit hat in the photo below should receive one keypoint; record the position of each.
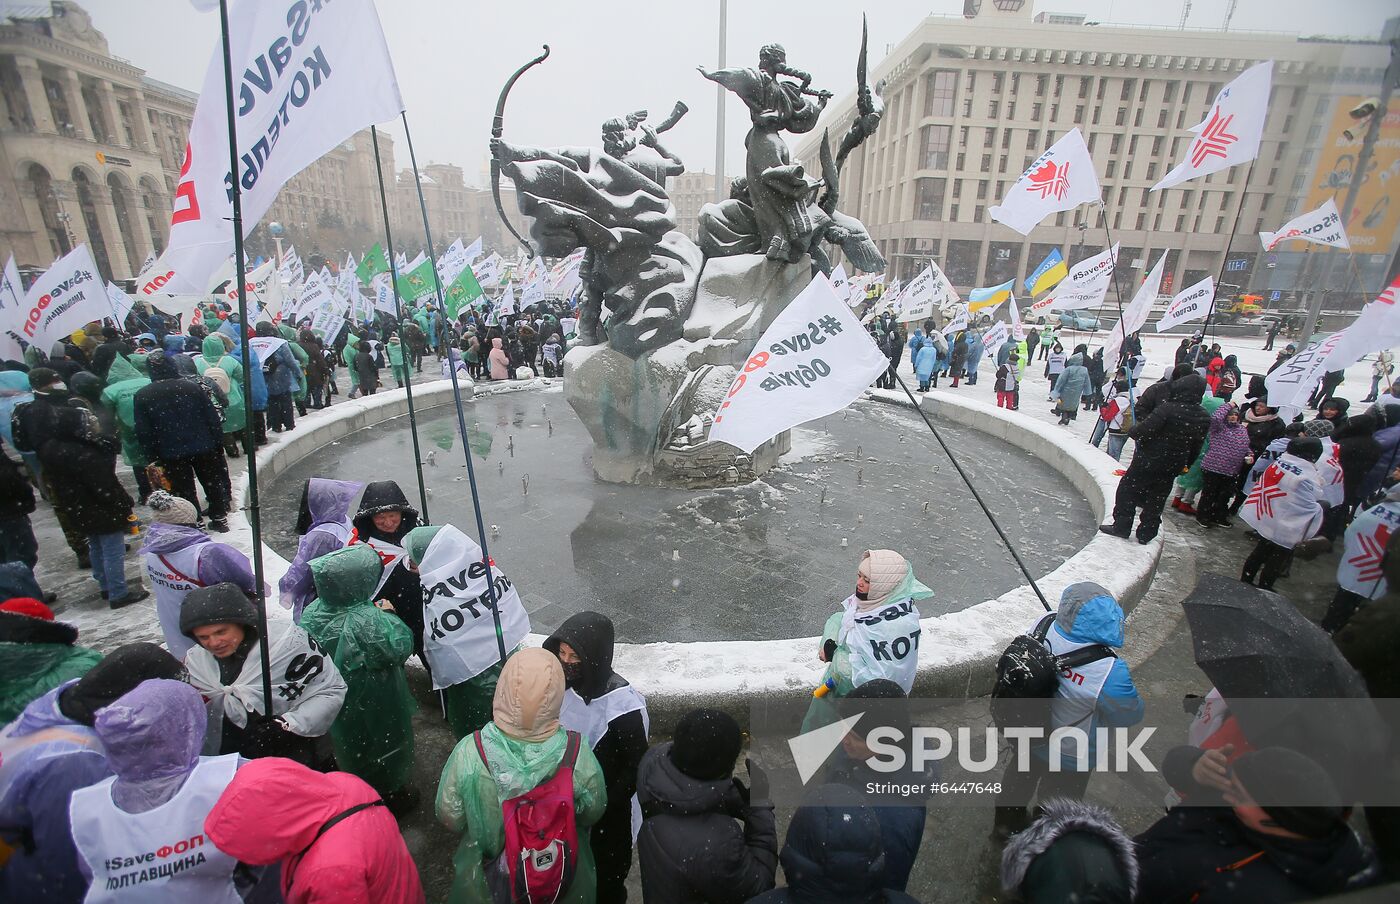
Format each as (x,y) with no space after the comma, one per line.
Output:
(706,744)
(1279,773)
(216,605)
(1318,427)
(43,377)
(115,675)
(24,605)
(172,509)
(1308,448)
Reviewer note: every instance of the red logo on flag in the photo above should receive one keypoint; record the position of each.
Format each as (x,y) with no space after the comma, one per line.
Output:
(1050,179)
(1391,292)
(1266,491)
(1368,561)
(1213,140)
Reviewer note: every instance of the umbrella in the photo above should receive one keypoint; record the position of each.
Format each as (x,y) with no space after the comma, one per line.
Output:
(1282,677)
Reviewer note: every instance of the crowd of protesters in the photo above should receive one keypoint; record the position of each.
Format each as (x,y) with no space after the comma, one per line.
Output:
(556,786)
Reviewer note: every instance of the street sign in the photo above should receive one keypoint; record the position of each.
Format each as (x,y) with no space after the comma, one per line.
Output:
(1275,295)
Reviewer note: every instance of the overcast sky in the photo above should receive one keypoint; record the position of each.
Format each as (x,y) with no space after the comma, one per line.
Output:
(452,56)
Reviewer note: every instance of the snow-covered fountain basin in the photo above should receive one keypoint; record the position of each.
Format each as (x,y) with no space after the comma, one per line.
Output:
(718,594)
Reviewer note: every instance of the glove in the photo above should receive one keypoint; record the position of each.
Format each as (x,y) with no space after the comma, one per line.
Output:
(829,651)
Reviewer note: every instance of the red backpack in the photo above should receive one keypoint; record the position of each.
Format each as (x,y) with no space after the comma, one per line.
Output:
(540,856)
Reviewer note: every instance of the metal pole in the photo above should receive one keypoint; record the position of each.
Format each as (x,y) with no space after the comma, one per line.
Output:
(249,447)
(1118,290)
(457,399)
(398,310)
(720,192)
(1225,258)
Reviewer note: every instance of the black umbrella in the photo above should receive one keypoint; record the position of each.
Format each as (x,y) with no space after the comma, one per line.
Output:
(1283,677)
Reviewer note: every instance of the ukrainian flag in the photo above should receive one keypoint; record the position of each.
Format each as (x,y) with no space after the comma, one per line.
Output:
(990,297)
(1051,271)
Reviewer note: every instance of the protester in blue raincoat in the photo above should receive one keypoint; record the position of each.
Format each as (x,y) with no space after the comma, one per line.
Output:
(257,405)
(975,352)
(925,358)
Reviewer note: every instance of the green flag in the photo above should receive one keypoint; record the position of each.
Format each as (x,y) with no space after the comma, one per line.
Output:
(417,282)
(463,291)
(373,264)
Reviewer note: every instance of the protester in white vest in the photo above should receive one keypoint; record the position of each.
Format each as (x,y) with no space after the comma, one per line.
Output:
(180,557)
(140,834)
(307,688)
(1099,693)
(1285,507)
(459,629)
(1360,576)
(612,714)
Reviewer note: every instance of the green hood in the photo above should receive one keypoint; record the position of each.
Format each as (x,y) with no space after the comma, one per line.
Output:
(417,541)
(121,371)
(347,576)
(352,339)
(212,349)
(287,333)
(141,364)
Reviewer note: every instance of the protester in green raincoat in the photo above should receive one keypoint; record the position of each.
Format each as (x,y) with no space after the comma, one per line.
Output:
(1189,485)
(347,357)
(213,353)
(303,359)
(123,382)
(373,735)
(524,744)
(463,653)
(37,654)
(396,359)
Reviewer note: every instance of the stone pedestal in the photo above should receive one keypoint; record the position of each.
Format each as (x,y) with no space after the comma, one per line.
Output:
(647,416)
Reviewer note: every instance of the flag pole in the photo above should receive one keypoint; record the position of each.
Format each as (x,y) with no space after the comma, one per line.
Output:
(1225,258)
(249,446)
(1118,290)
(398,310)
(457,399)
(975,495)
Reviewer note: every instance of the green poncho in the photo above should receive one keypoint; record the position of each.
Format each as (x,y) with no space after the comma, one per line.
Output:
(1193,480)
(213,354)
(123,382)
(373,734)
(30,670)
(347,357)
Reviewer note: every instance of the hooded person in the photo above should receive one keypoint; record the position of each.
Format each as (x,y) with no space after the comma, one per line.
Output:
(834,853)
(463,651)
(705,836)
(1285,508)
(382,522)
(225,666)
(123,382)
(1073,852)
(180,557)
(874,635)
(157,800)
(498,361)
(257,399)
(1070,387)
(323,524)
(1360,575)
(1359,454)
(49,752)
(37,654)
(281,375)
(347,357)
(331,833)
(521,748)
(214,360)
(373,735)
(612,716)
(1256,848)
(394,348)
(1094,693)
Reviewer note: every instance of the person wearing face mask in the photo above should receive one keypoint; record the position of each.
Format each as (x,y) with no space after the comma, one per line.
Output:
(383,521)
(460,641)
(874,635)
(612,715)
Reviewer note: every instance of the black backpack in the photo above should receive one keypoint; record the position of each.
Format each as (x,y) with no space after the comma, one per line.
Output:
(1028,671)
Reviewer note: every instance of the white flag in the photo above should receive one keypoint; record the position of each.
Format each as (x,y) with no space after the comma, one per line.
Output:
(1085,287)
(1322,226)
(995,337)
(812,360)
(1293,381)
(1018,332)
(1231,131)
(1376,328)
(959,321)
(1060,179)
(66,298)
(146,264)
(11,308)
(121,303)
(473,250)
(1191,303)
(1136,313)
(840,282)
(293,271)
(310,76)
(314,292)
(488,273)
(928,292)
(506,305)
(384,299)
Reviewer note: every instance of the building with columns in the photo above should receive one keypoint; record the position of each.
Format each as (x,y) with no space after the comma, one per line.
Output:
(689,192)
(970,102)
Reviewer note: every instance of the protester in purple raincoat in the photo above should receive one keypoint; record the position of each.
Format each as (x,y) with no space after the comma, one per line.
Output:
(324,526)
(153,736)
(49,752)
(180,557)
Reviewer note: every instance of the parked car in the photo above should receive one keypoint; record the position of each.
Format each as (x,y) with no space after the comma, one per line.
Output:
(1079,320)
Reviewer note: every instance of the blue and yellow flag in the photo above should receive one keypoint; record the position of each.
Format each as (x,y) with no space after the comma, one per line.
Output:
(1051,271)
(990,297)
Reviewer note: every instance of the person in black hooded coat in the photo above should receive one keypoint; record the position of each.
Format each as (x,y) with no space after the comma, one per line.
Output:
(1168,440)
(603,706)
(1359,454)
(834,854)
(375,525)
